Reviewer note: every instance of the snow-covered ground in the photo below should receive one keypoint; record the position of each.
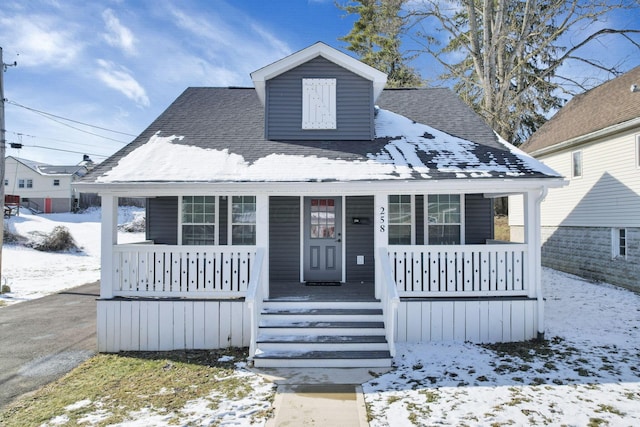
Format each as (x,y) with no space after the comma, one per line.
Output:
(587,373)
(32,274)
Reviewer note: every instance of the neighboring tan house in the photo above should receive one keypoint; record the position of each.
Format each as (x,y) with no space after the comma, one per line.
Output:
(41,187)
(591,227)
(317,219)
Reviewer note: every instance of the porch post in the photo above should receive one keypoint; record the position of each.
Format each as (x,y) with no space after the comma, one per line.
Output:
(380,236)
(262,238)
(532,224)
(108,238)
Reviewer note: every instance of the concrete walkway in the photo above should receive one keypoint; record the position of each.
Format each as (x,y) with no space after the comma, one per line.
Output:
(43,339)
(327,397)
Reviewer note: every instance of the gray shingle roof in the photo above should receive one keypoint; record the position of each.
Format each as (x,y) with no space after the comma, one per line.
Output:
(233,119)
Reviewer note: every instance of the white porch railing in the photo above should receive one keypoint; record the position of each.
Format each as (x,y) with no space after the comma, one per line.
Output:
(141,270)
(462,270)
(254,300)
(390,300)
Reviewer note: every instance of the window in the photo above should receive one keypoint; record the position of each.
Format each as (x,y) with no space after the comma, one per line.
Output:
(318,104)
(400,220)
(6,182)
(576,164)
(198,220)
(243,220)
(619,243)
(323,219)
(56,183)
(444,219)
(29,183)
(21,183)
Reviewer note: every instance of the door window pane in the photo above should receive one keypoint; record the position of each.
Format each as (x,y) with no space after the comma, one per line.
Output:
(323,219)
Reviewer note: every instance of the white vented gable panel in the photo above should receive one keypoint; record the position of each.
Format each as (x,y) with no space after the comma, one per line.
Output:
(318,103)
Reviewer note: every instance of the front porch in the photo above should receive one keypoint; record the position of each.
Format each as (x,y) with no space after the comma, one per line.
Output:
(173,297)
(164,295)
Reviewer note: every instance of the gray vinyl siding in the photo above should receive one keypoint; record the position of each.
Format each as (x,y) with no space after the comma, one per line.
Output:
(354,104)
(162,220)
(478,218)
(284,239)
(359,239)
(223,223)
(419,220)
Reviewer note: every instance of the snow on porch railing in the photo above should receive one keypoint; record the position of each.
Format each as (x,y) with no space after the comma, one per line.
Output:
(182,271)
(461,270)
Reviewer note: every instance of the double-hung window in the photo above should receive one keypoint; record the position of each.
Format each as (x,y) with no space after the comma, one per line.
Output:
(401,220)
(444,219)
(56,183)
(243,220)
(576,164)
(199,220)
(619,243)
(21,183)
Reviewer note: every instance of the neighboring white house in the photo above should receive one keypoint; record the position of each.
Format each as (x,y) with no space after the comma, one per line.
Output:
(591,227)
(42,187)
(318,219)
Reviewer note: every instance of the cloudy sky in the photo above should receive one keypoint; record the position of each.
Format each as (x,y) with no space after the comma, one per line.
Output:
(117,64)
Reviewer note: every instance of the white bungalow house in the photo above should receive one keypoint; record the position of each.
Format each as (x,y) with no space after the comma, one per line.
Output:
(591,227)
(42,187)
(318,219)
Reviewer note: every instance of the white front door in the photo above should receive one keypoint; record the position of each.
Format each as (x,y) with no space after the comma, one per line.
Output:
(322,228)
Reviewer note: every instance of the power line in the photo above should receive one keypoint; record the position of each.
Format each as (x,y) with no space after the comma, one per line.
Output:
(68,151)
(53,117)
(20,135)
(67,119)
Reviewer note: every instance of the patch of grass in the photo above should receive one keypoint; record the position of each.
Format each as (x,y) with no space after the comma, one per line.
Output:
(609,409)
(123,383)
(595,422)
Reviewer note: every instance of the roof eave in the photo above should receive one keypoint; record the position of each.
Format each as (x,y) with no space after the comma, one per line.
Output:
(458,185)
(260,76)
(583,139)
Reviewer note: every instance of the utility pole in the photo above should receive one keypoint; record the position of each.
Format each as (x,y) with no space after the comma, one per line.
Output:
(3,68)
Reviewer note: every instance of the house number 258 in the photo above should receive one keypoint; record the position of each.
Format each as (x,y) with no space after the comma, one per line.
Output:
(382,219)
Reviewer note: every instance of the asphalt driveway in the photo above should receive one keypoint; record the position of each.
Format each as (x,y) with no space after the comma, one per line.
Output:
(43,339)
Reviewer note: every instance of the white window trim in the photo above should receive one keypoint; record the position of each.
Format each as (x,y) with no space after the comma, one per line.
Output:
(56,183)
(615,243)
(426,218)
(230,217)
(216,218)
(412,225)
(573,154)
(22,183)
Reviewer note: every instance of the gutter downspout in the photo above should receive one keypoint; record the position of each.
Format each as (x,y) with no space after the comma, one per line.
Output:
(538,266)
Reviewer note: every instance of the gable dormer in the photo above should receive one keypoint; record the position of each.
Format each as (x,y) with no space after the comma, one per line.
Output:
(319,93)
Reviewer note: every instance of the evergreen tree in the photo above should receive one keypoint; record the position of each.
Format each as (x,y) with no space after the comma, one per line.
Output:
(375,38)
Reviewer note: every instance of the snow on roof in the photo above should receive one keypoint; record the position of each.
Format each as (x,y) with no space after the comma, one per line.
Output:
(412,151)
